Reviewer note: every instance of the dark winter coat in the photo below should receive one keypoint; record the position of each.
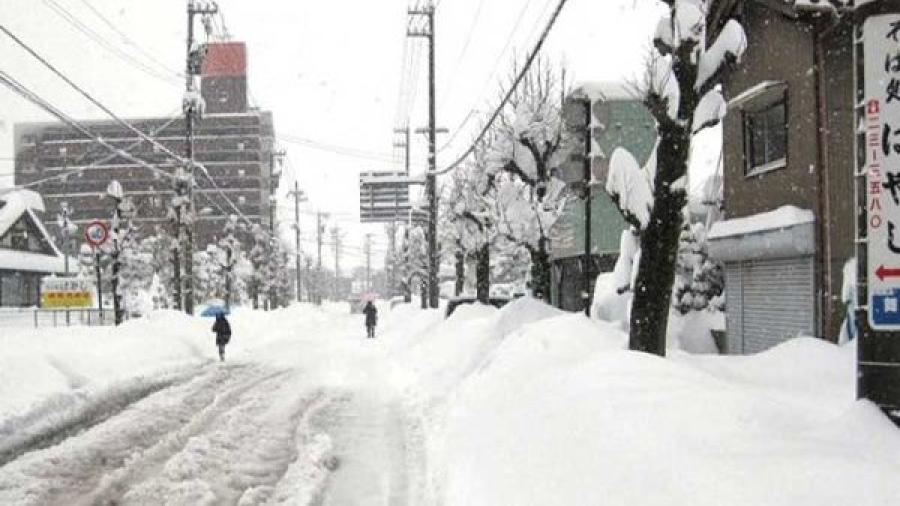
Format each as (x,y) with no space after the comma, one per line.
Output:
(222,330)
(371,315)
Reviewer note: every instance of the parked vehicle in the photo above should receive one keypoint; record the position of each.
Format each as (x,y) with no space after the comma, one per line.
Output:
(455,302)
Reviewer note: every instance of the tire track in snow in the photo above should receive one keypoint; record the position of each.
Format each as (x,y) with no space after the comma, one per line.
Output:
(63,473)
(114,488)
(48,427)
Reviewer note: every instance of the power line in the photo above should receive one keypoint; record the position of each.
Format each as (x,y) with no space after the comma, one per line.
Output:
(102,42)
(511,90)
(490,79)
(462,53)
(32,97)
(97,164)
(148,55)
(89,97)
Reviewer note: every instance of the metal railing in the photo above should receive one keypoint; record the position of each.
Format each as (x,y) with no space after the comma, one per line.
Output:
(37,317)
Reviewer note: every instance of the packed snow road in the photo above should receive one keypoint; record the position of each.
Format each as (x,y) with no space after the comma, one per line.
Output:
(279,423)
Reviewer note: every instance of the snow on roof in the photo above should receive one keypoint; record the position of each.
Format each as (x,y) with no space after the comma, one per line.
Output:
(606,91)
(16,260)
(781,218)
(16,203)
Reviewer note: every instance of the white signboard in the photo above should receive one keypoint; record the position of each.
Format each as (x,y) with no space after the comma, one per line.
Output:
(881,35)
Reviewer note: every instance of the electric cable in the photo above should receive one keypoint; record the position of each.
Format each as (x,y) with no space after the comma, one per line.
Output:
(99,40)
(509,93)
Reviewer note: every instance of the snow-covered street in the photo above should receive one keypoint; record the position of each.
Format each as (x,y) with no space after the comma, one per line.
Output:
(281,422)
(524,405)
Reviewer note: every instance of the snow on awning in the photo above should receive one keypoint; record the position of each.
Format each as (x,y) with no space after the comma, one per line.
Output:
(763,89)
(785,232)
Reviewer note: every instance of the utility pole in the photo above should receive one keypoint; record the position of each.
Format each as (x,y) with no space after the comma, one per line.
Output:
(320,229)
(368,251)
(391,266)
(336,240)
(274,157)
(297,194)
(405,145)
(192,111)
(430,190)
(588,258)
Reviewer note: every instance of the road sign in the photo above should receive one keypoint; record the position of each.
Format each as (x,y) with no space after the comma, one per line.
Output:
(96,233)
(61,293)
(384,196)
(882,151)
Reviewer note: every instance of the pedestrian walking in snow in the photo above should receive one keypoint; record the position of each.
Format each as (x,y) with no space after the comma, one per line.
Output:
(371,319)
(223,334)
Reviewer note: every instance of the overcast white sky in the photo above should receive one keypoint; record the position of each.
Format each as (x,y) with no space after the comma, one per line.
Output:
(330,72)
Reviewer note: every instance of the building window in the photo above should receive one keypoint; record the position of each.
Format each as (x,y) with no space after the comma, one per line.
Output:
(765,138)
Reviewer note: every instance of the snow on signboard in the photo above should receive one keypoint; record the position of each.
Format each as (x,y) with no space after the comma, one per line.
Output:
(881,35)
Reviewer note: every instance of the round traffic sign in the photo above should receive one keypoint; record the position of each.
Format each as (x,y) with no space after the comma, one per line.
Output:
(96,233)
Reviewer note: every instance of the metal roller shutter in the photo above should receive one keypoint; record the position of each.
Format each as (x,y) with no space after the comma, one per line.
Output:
(733,309)
(778,301)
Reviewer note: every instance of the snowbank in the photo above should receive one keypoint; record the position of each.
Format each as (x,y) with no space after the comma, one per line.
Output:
(557,411)
(37,364)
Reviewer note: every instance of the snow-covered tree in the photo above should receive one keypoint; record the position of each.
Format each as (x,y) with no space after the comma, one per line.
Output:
(682,93)
(475,214)
(527,146)
(258,256)
(698,280)
(231,250)
(160,246)
(413,262)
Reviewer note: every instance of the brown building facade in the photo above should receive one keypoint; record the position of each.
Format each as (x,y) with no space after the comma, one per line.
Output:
(788,173)
(233,142)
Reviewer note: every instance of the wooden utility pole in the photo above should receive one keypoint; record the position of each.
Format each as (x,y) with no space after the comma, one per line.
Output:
(368,251)
(336,242)
(275,157)
(588,257)
(320,229)
(430,184)
(297,194)
(191,105)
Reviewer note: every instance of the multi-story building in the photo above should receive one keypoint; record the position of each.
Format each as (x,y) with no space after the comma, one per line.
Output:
(788,173)
(618,119)
(233,141)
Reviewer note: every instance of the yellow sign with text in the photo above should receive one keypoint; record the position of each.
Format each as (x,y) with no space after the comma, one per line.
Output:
(61,293)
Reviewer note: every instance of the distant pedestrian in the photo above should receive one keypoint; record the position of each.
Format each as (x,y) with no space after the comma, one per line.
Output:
(223,334)
(371,319)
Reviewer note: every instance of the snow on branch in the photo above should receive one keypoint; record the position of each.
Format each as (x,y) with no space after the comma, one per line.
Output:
(630,188)
(726,51)
(710,111)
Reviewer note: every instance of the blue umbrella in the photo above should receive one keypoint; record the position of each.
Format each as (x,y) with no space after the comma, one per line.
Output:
(214,308)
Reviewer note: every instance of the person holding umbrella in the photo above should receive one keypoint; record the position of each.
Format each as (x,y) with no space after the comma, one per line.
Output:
(371,319)
(223,333)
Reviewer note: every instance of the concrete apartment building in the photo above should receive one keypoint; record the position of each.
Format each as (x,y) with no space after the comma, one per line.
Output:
(788,172)
(618,119)
(233,141)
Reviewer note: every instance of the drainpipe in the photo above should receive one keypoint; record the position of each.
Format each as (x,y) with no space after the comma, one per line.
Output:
(824,184)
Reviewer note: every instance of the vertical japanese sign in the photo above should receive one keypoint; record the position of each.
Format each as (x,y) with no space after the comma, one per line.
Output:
(881,49)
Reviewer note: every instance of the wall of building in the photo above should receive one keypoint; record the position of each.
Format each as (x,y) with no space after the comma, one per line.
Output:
(779,50)
(820,113)
(235,148)
(839,140)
